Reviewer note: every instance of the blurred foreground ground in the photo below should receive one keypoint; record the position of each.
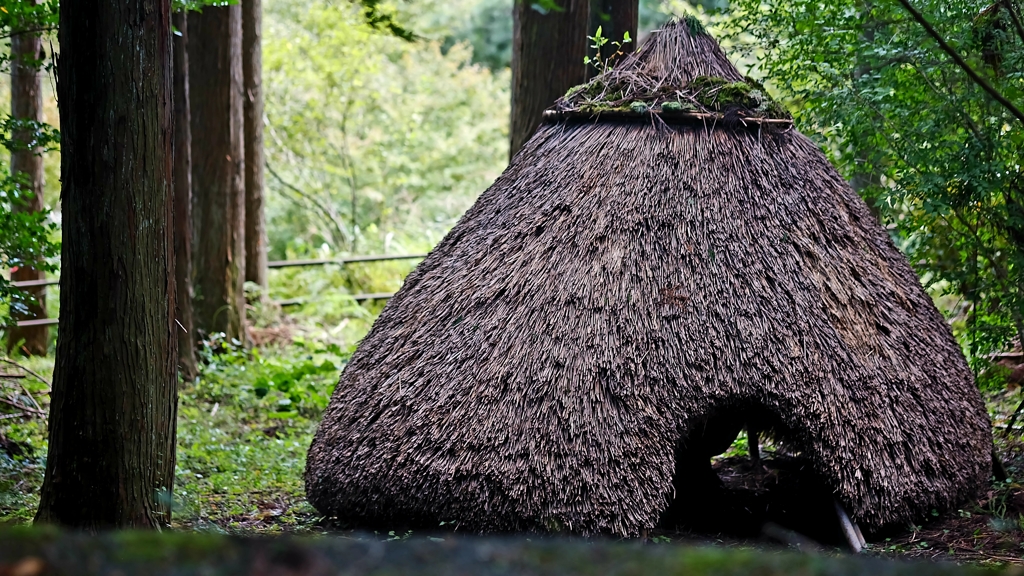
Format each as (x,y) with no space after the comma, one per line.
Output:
(26,552)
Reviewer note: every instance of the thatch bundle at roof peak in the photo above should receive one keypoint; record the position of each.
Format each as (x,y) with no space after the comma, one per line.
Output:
(620,292)
(680,73)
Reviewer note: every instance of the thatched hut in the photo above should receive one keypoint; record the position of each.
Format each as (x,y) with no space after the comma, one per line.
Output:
(667,256)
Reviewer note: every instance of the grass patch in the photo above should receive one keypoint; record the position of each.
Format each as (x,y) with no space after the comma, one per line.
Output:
(243,430)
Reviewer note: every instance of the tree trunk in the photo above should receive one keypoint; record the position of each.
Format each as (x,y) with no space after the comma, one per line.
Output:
(252,65)
(616,18)
(548,48)
(114,400)
(218,169)
(183,203)
(27,104)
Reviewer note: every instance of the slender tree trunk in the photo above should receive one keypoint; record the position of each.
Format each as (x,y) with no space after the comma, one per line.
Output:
(183,202)
(548,48)
(27,104)
(218,169)
(616,19)
(252,65)
(114,401)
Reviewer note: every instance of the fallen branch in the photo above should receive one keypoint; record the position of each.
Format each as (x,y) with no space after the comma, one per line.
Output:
(1013,419)
(21,407)
(49,386)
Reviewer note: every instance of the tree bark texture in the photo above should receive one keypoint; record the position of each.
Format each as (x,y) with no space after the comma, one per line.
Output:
(183,202)
(27,104)
(252,66)
(218,169)
(615,18)
(114,401)
(548,48)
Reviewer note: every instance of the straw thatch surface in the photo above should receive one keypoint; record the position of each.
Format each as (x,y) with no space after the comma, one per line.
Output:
(617,284)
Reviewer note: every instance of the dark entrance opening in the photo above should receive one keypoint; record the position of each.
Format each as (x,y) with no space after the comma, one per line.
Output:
(760,488)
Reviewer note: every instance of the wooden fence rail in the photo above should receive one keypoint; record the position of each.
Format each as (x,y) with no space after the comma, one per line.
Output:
(343,261)
(272,264)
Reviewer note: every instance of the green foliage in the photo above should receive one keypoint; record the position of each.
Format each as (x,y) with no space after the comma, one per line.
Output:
(244,427)
(25,237)
(240,474)
(373,143)
(21,474)
(198,5)
(608,93)
(323,301)
(694,24)
(486,26)
(993,378)
(936,157)
(297,385)
(382,16)
(24,241)
(21,134)
(285,384)
(244,424)
(20,15)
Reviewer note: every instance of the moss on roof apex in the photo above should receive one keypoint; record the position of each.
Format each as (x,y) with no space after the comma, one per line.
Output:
(694,24)
(707,94)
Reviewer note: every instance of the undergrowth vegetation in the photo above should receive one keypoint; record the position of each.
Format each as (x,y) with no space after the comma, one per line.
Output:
(244,426)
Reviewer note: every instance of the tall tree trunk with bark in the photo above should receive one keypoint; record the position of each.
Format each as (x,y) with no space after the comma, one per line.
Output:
(616,18)
(27,104)
(252,66)
(114,401)
(218,169)
(183,202)
(548,48)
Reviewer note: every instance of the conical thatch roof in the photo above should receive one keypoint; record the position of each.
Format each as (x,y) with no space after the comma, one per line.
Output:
(629,275)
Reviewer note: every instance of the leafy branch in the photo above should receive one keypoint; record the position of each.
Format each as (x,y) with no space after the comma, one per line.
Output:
(984,84)
(383,19)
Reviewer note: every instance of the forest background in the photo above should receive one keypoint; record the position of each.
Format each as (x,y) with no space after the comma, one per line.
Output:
(376,145)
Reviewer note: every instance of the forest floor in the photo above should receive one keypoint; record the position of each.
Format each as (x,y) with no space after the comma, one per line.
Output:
(245,423)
